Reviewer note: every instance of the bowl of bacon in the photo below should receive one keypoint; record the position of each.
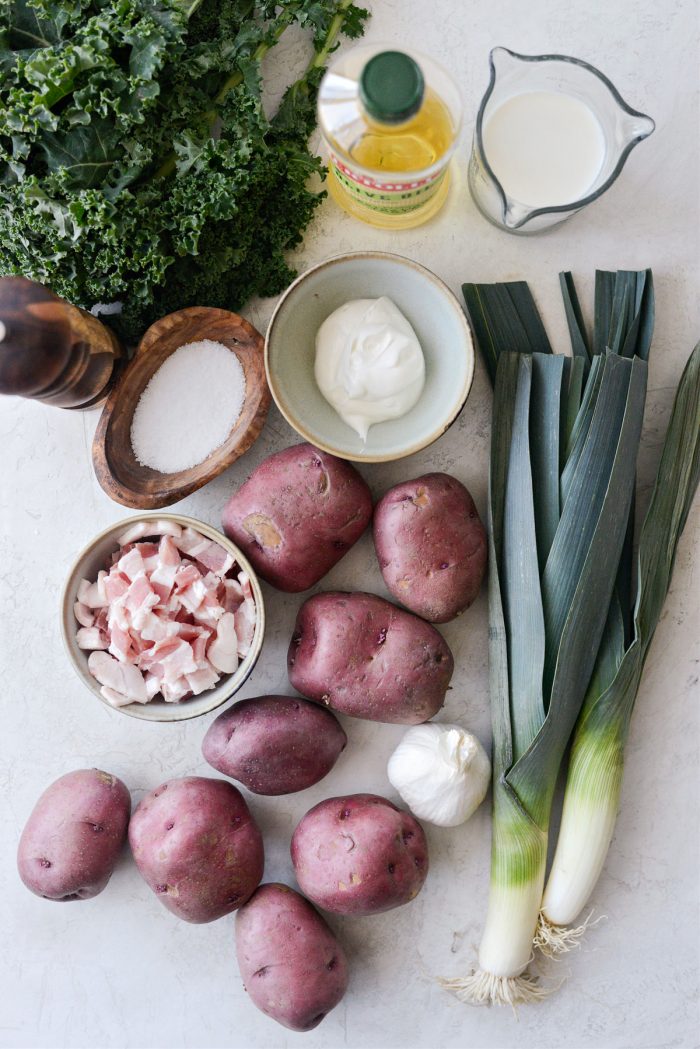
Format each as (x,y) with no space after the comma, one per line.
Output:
(162,617)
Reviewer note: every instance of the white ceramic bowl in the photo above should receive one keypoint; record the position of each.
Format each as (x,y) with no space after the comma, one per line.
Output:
(439,323)
(87,565)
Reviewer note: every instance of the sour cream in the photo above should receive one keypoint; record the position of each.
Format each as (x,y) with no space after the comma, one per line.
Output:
(369,363)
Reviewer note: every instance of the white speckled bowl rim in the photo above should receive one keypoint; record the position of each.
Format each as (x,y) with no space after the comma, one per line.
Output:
(157,710)
(411,448)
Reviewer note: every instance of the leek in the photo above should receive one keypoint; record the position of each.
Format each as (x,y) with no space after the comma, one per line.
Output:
(595,769)
(561,486)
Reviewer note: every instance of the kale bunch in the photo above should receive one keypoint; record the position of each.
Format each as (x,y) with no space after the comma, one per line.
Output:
(136,162)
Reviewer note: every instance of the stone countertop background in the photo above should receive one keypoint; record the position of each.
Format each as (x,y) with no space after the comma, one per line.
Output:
(120,971)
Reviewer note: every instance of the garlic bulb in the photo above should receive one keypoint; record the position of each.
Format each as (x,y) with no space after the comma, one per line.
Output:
(442,773)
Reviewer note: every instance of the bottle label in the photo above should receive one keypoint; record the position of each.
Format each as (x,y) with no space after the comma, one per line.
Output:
(391,196)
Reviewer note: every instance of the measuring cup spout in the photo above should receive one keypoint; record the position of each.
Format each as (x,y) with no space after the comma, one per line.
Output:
(638,126)
(515,215)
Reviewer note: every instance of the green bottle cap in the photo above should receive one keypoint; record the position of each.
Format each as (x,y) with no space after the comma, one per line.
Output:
(391,87)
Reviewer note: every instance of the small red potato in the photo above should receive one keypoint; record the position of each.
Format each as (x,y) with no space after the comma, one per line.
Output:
(359,855)
(197,846)
(274,744)
(72,840)
(363,656)
(297,515)
(292,966)
(431,546)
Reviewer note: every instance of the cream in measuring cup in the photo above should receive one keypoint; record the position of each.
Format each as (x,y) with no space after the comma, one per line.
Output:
(544,147)
(552,134)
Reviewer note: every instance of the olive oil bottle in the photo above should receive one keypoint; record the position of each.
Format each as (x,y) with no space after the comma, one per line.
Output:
(390,121)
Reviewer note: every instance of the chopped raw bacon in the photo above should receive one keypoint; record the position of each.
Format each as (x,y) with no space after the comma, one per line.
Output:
(232,596)
(163,581)
(245,626)
(140,596)
(199,647)
(202,679)
(152,685)
(118,615)
(168,552)
(213,557)
(192,596)
(94,595)
(207,552)
(116,699)
(150,556)
(174,691)
(122,677)
(177,663)
(188,540)
(222,652)
(149,528)
(83,614)
(157,628)
(120,644)
(165,620)
(186,575)
(89,637)
(116,585)
(131,564)
(154,655)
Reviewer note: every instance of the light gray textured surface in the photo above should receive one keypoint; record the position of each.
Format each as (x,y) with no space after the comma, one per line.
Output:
(119,971)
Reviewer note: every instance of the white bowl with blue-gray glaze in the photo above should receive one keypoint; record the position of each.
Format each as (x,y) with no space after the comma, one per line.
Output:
(437,319)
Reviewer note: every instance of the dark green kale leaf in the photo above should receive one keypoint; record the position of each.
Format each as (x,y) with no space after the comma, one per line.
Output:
(136,162)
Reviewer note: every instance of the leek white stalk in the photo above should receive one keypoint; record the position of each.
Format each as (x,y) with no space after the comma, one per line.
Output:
(594,778)
(518,858)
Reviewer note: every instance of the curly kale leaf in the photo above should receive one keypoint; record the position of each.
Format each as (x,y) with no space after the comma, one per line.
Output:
(136,162)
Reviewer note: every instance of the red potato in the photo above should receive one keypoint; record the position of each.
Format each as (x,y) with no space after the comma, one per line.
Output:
(431,546)
(274,744)
(297,515)
(72,840)
(292,966)
(359,855)
(197,846)
(363,656)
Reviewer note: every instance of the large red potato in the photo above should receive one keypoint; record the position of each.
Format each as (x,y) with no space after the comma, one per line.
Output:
(363,656)
(197,846)
(72,840)
(297,514)
(274,744)
(359,855)
(292,966)
(431,546)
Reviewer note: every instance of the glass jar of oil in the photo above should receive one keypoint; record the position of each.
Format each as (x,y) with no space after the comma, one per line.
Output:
(390,121)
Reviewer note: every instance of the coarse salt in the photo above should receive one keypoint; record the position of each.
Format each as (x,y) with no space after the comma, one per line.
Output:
(189,407)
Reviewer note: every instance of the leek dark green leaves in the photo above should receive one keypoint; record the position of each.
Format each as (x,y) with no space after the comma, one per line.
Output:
(505,319)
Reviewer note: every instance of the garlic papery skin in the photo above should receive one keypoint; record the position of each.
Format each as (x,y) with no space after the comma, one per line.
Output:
(442,773)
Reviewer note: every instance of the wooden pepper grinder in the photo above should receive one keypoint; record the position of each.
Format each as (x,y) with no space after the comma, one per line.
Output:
(52,351)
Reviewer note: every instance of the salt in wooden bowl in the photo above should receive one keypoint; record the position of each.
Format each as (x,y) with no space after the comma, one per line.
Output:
(118,471)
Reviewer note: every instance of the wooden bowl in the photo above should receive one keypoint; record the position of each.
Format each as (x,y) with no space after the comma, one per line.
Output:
(118,471)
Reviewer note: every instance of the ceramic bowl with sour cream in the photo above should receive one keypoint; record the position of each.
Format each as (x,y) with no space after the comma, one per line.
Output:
(437,319)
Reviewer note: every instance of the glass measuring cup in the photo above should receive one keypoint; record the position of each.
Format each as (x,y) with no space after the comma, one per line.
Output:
(513,75)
